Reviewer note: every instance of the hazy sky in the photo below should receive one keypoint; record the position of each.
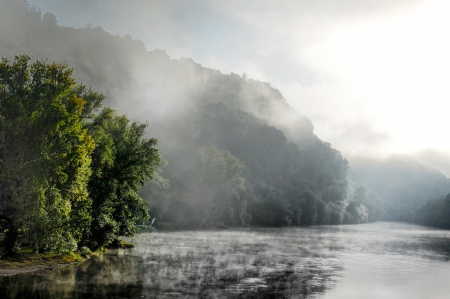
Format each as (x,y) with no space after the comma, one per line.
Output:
(372,75)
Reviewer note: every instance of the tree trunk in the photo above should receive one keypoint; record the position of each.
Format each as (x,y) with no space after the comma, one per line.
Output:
(10,236)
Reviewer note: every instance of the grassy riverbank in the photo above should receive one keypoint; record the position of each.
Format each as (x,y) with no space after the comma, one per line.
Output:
(27,262)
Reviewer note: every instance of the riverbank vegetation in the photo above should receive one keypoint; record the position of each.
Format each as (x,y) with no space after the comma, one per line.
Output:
(69,170)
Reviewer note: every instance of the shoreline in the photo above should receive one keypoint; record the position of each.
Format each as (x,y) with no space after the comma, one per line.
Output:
(30,263)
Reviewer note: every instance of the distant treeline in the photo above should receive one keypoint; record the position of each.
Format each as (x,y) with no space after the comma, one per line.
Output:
(435,212)
(404,184)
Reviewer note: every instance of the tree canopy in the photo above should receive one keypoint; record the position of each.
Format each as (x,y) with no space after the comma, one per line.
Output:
(56,157)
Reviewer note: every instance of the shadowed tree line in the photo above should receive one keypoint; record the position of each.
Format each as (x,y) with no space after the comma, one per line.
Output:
(435,213)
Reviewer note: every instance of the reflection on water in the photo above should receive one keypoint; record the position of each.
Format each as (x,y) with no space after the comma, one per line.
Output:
(380,260)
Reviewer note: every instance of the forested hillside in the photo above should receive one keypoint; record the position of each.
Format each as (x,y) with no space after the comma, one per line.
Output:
(234,152)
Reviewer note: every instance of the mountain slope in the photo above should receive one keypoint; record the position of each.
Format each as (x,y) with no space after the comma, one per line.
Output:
(205,121)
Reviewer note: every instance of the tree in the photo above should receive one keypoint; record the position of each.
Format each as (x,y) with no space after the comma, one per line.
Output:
(156,194)
(323,212)
(49,18)
(122,162)
(44,154)
(309,215)
(218,187)
(371,201)
(356,213)
(272,209)
(50,132)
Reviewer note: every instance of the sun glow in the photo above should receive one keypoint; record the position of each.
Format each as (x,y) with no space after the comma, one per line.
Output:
(402,67)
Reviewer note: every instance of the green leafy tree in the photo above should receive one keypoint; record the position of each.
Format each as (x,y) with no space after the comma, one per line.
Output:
(122,162)
(218,187)
(44,155)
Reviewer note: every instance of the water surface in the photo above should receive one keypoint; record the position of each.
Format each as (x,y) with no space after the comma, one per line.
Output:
(379,260)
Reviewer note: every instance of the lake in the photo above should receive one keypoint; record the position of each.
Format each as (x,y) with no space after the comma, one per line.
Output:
(378,260)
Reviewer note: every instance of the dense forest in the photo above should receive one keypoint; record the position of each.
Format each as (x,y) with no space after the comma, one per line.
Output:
(435,212)
(233,152)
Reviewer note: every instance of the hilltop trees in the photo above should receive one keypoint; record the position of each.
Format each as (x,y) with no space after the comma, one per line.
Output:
(50,162)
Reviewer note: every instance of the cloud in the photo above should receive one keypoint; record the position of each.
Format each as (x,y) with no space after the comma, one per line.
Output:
(439,160)
(270,35)
(335,61)
(358,138)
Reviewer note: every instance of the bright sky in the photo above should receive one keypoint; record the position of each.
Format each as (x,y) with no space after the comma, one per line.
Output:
(394,74)
(372,75)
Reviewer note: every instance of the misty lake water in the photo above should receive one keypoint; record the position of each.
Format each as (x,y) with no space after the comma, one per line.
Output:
(379,260)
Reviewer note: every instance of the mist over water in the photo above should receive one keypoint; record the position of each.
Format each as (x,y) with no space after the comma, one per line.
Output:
(379,260)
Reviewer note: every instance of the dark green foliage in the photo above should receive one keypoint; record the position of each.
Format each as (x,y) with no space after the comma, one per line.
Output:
(121,162)
(50,191)
(44,153)
(309,215)
(435,212)
(323,213)
(9,230)
(271,210)
(336,213)
(219,186)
